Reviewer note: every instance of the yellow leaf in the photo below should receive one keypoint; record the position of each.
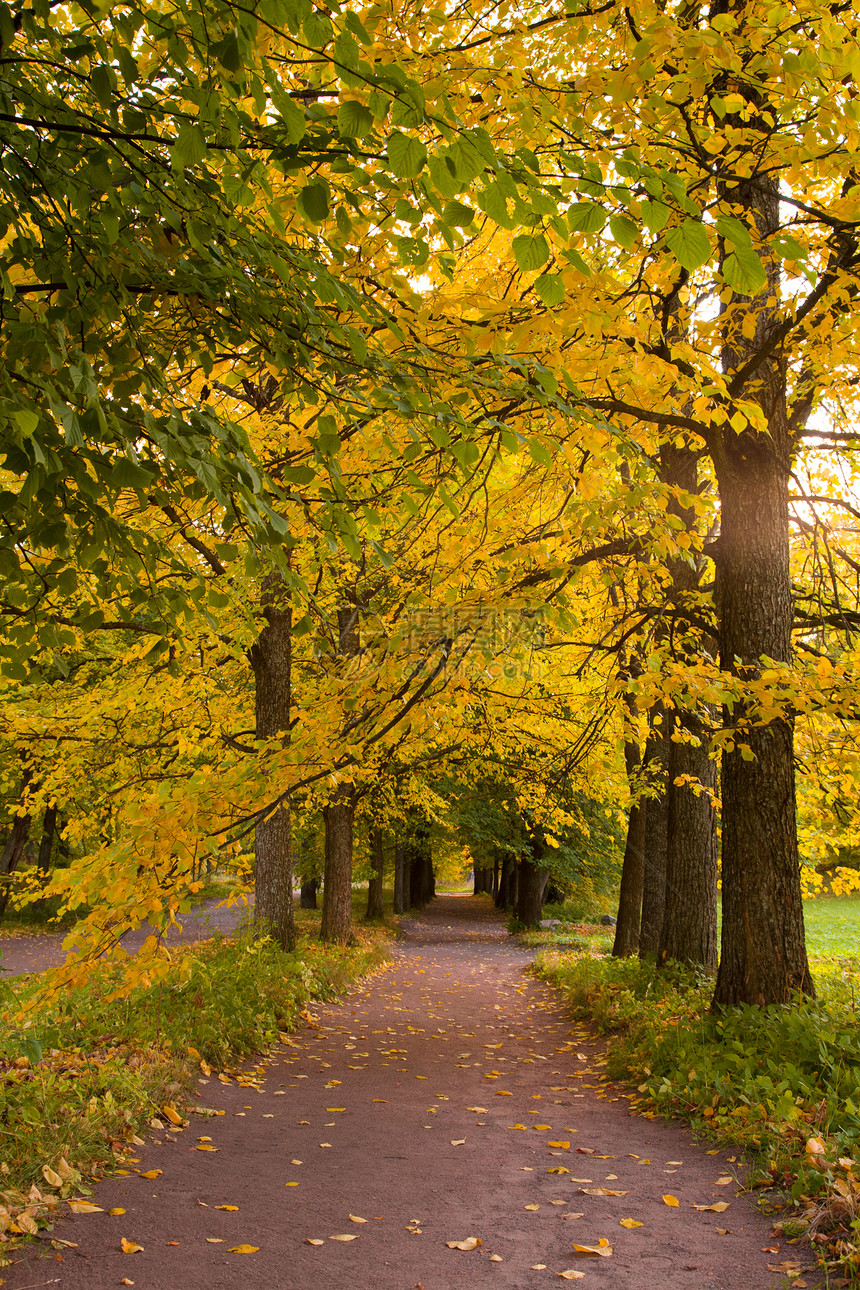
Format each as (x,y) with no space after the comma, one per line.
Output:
(717,1208)
(531,1207)
(243,1249)
(291,1184)
(559,1169)
(214,1240)
(539,1127)
(151,1173)
(571,1275)
(206,1146)
(381,1099)
(500,1092)
(496,1258)
(84,1207)
(517,1126)
(52,1178)
(724,1181)
(313,1240)
(607,1191)
(170,1113)
(351,1236)
(538,1267)
(671,1200)
(231,1208)
(480,1110)
(458,1142)
(125,1282)
(629,1222)
(470,1243)
(353,1218)
(565,1146)
(116,1211)
(599,1251)
(130,1247)
(331,1109)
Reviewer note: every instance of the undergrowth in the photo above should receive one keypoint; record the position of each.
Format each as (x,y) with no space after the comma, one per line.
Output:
(80,1084)
(782,1082)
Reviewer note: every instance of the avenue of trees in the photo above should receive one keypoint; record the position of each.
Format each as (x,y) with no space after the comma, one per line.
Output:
(419,420)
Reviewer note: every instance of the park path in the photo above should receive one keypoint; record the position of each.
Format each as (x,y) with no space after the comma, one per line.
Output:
(432,1103)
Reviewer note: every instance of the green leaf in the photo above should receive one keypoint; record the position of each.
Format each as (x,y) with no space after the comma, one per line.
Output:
(189,147)
(655,215)
(550,288)
(586,217)
(457,215)
(689,244)
(530,251)
(788,247)
(354,119)
(314,201)
(406,155)
(744,271)
(623,230)
(27,420)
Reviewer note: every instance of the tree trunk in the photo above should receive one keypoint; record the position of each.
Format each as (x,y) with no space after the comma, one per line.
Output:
(530,890)
(632,881)
(656,840)
(494,890)
(308,898)
(689,933)
(270,658)
(339,816)
(337,880)
(763,956)
(46,846)
(14,847)
(399,866)
(374,888)
(504,893)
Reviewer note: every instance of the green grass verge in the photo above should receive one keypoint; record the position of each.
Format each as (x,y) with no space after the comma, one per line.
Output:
(82,1076)
(783,1083)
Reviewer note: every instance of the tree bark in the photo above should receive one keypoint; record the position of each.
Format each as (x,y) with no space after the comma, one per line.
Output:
(504,895)
(763,958)
(308,898)
(339,816)
(656,842)
(689,933)
(399,867)
(374,888)
(337,882)
(629,915)
(14,847)
(533,879)
(46,846)
(271,658)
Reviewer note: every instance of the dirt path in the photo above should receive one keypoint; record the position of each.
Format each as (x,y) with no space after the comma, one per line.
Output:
(22,952)
(404,1106)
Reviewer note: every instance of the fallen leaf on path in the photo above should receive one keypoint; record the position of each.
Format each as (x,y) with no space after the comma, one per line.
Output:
(564,1146)
(350,1236)
(243,1249)
(458,1142)
(84,1207)
(231,1208)
(571,1215)
(206,1146)
(593,1251)
(116,1211)
(52,1178)
(723,1231)
(725,1181)
(331,1109)
(214,1240)
(295,1162)
(470,1243)
(325,1144)
(151,1173)
(585,1151)
(581,1180)
(629,1222)
(518,1126)
(496,1258)
(603,1191)
(538,1267)
(479,1110)
(500,1092)
(313,1240)
(531,1206)
(170,1113)
(571,1275)
(671,1201)
(541,1127)
(385,1101)
(125,1282)
(770,1249)
(558,1169)
(130,1247)
(353,1218)
(717,1208)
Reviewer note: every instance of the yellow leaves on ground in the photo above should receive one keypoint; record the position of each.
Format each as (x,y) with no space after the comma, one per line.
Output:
(353,1218)
(315,1240)
(242,1249)
(350,1236)
(571,1274)
(231,1208)
(470,1243)
(115,1212)
(170,1113)
(52,1178)
(130,1247)
(725,1181)
(458,1142)
(558,1169)
(671,1200)
(84,1207)
(602,1250)
(629,1222)
(718,1207)
(482,1110)
(540,1127)
(501,1092)
(607,1191)
(531,1207)
(563,1146)
(151,1173)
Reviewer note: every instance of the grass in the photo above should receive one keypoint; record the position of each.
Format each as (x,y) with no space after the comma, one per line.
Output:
(783,1083)
(84,1075)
